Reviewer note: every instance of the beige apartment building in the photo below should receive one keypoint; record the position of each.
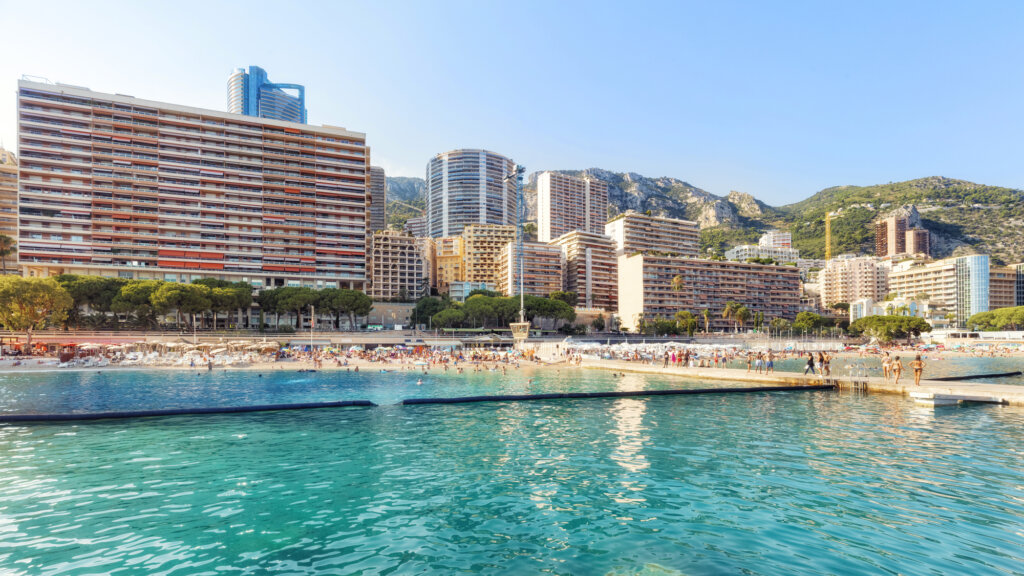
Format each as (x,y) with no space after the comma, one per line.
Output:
(483,244)
(654,286)
(634,232)
(848,278)
(591,268)
(397,270)
(449,262)
(9,205)
(566,203)
(542,269)
(964,285)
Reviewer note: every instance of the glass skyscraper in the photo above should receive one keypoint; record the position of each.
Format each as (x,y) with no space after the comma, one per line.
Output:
(253,94)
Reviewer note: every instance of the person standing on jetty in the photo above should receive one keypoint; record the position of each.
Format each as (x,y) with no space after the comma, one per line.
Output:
(897,368)
(810,363)
(886,365)
(918,367)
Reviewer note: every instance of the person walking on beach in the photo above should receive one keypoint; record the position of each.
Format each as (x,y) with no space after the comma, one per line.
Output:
(897,369)
(810,364)
(918,367)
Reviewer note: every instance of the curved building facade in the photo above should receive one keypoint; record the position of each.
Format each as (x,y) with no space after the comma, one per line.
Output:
(253,94)
(468,187)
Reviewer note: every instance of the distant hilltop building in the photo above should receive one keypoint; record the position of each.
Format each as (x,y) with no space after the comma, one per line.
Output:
(469,187)
(253,94)
(895,236)
(776,239)
(566,203)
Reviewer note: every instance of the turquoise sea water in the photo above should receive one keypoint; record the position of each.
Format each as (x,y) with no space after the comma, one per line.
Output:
(766,483)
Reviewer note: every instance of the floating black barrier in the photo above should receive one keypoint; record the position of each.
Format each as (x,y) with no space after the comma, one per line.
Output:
(611,394)
(976,376)
(177,411)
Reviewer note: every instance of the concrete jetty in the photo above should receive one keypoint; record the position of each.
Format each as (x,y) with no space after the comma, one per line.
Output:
(967,390)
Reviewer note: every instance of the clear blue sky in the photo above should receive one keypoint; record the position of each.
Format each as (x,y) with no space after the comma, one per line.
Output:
(776,99)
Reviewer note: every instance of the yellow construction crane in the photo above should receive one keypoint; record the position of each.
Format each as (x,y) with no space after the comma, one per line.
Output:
(828,233)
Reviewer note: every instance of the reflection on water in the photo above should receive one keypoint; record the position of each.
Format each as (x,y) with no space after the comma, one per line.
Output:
(769,483)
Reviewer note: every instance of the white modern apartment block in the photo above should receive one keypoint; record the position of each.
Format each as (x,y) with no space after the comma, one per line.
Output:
(782,255)
(566,203)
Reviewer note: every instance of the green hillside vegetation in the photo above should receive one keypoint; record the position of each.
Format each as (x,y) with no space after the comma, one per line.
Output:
(398,213)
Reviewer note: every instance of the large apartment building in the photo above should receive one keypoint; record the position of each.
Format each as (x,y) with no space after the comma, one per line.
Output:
(397,267)
(449,262)
(376,203)
(848,278)
(469,187)
(541,269)
(635,232)
(483,244)
(9,207)
(591,268)
(963,286)
(654,286)
(120,186)
(566,203)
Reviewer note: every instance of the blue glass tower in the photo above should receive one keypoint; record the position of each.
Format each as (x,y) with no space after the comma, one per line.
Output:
(253,94)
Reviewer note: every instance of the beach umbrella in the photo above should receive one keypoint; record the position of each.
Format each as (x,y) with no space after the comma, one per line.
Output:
(218,351)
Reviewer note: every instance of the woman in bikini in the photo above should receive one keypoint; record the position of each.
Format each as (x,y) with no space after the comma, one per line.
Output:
(918,367)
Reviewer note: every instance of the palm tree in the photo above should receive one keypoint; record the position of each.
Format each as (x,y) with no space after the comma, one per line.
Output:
(707,320)
(741,316)
(677,283)
(729,312)
(7,248)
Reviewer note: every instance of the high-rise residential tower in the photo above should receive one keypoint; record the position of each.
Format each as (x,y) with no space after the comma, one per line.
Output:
(541,268)
(253,94)
(469,187)
(566,203)
(591,268)
(377,203)
(119,186)
(9,206)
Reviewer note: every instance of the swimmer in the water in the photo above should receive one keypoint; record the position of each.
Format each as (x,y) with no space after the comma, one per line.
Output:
(419,382)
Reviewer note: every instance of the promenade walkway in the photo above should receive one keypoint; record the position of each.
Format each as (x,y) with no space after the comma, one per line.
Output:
(1009,394)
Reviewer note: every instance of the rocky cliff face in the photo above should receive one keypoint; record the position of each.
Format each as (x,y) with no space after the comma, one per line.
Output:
(406,189)
(663,196)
